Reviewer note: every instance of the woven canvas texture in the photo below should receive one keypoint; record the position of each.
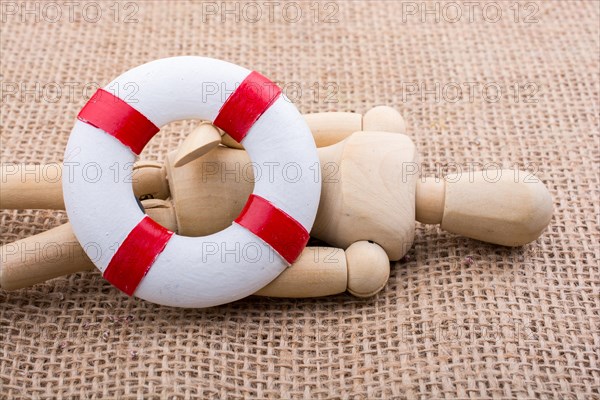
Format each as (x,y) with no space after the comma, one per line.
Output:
(457,319)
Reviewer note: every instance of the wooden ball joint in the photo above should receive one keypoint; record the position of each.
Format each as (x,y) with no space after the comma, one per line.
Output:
(368,268)
(367,212)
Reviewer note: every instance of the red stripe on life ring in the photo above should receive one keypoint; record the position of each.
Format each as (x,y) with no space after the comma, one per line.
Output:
(117,118)
(246,104)
(137,253)
(279,230)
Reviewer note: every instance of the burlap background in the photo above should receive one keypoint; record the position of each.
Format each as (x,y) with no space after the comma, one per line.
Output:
(510,323)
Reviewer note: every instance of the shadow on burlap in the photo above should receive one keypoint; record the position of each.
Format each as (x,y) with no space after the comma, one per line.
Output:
(458,318)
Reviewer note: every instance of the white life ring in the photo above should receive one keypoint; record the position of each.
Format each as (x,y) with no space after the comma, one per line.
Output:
(144,259)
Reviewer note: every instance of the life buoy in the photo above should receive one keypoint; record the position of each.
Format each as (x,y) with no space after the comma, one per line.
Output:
(141,257)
